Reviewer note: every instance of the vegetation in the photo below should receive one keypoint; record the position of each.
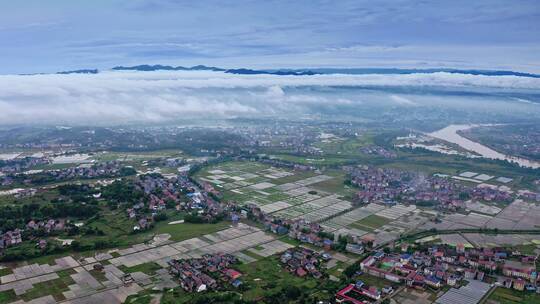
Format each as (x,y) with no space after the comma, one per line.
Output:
(371,222)
(510,296)
(147,268)
(53,287)
(265,281)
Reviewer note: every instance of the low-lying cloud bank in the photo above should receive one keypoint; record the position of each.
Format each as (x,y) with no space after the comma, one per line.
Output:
(122,97)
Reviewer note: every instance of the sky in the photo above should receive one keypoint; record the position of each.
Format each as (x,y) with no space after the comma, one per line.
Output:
(39,36)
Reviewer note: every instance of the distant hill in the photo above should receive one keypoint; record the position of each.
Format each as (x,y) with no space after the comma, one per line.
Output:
(158,67)
(271,72)
(84,71)
(360,71)
(388,71)
(304,72)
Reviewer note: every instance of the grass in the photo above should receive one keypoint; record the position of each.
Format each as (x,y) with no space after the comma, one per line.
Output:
(337,270)
(47,259)
(290,241)
(527,248)
(293,178)
(277,197)
(327,160)
(371,222)
(252,254)
(271,277)
(53,287)
(372,281)
(144,155)
(98,275)
(143,297)
(66,272)
(347,147)
(149,268)
(335,185)
(7,296)
(184,231)
(510,296)
(117,229)
(5,271)
(114,224)
(42,196)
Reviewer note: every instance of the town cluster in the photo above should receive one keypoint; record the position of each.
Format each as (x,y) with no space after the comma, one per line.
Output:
(209,272)
(46,226)
(390,186)
(378,150)
(85,171)
(10,238)
(20,164)
(178,192)
(34,228)
(302,261)
(298,229)
(436,266)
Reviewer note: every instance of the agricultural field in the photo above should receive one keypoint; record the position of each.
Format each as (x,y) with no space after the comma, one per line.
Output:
(66,277)
(371,222)
(316,197)
(344,151)
(135,156)
(287,193)
(510,296)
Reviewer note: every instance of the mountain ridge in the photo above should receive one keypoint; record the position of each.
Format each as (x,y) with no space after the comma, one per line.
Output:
(306,72)
(319,71)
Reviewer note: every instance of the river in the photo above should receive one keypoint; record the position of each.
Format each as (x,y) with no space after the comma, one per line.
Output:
(450,134)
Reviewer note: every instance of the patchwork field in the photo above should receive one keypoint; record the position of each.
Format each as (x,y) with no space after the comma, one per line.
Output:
(519,215)
(311,196)
(78,281)
(288,193)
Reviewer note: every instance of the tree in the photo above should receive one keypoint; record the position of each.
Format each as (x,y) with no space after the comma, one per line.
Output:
(162,216)
(292,292)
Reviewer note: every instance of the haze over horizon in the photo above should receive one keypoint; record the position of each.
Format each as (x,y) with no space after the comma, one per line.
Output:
(122,97)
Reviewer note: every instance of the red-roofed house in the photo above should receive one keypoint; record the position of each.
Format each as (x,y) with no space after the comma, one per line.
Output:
(232,274)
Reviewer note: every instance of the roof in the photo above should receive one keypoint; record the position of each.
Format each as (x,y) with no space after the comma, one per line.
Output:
(301,272)
(469,294)
(432,279)
(233,274)
(343,294)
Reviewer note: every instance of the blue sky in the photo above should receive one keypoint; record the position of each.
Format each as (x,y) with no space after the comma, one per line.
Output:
(53,35)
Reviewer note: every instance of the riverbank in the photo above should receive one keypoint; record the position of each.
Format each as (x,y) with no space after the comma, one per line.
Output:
(451,134)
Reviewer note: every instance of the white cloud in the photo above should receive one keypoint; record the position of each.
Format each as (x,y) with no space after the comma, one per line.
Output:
(402,100)
(120,97)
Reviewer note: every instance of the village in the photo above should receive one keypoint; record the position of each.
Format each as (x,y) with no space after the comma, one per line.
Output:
(206,273)
(441,267)
(311,232)
(84,171)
